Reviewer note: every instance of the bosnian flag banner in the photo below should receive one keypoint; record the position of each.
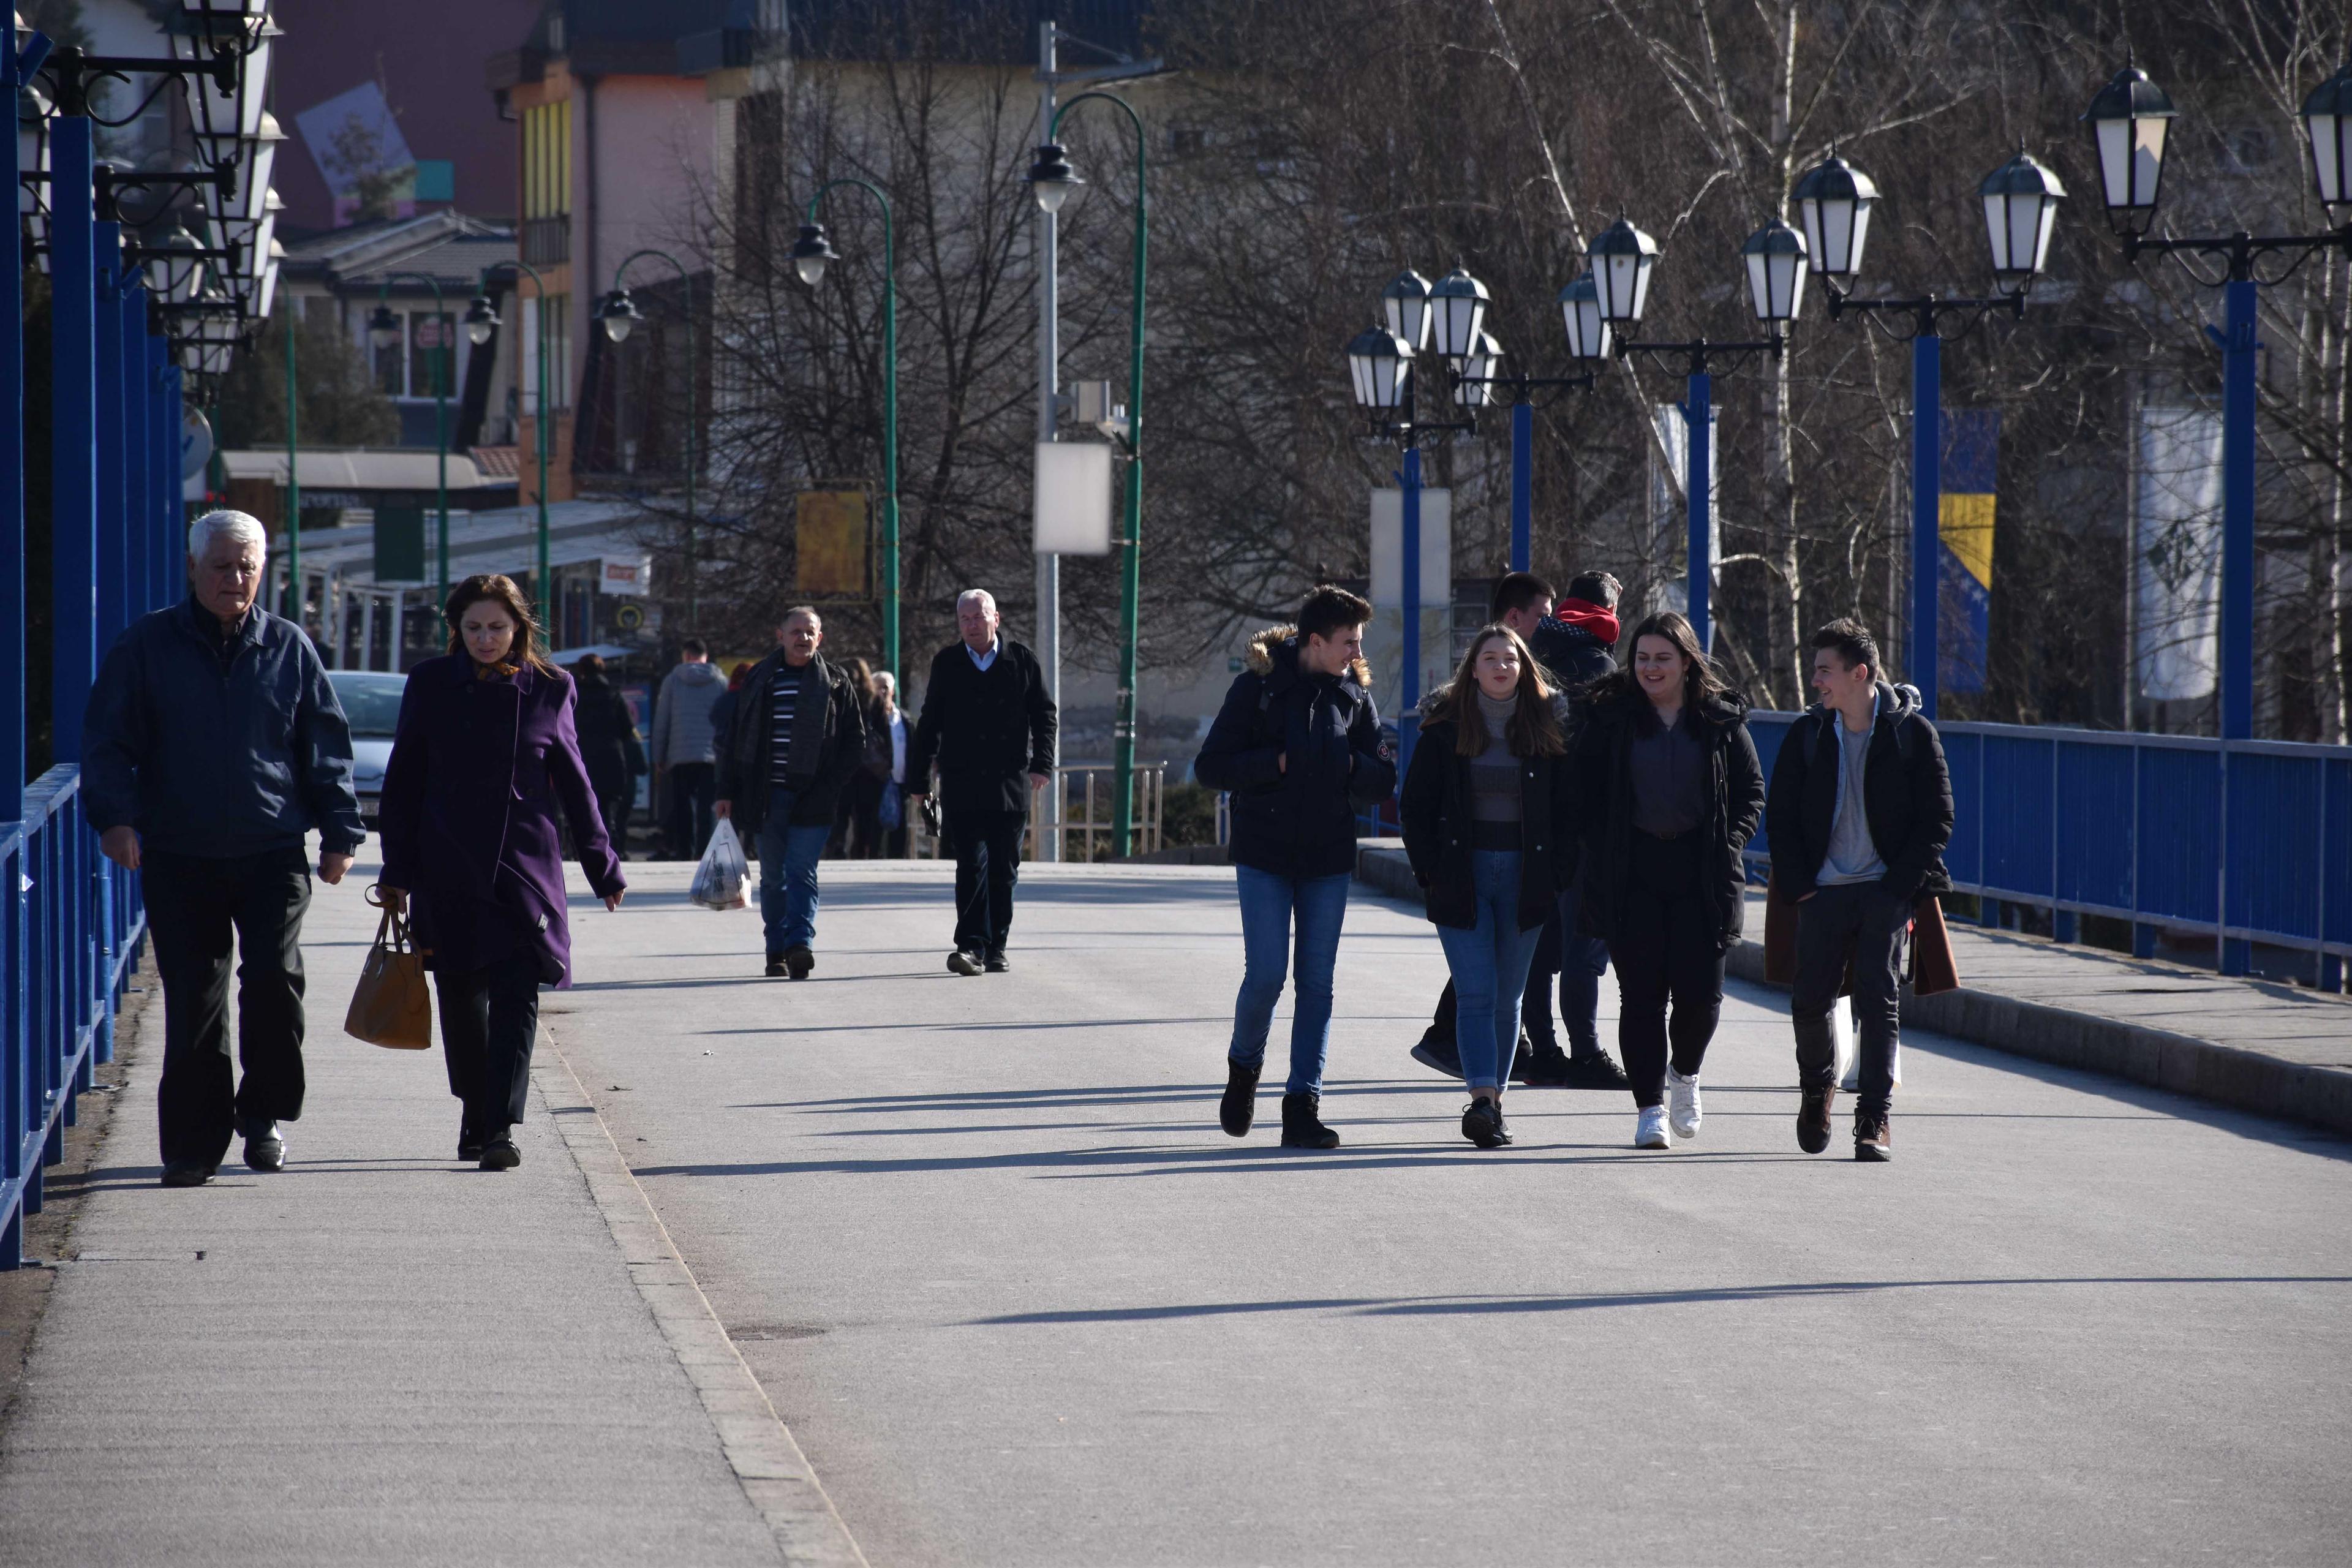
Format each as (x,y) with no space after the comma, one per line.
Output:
(1964,571)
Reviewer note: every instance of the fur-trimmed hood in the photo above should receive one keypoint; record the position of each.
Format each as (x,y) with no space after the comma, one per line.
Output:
(1279,645)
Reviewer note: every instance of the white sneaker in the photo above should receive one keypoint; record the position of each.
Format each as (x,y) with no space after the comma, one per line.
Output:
(1682,1104)
(1650,1133)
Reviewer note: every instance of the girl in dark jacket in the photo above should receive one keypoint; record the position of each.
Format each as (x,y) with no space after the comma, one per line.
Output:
(1486,802)
(1667,792)
(485,752)
(1298,744)
(609,747)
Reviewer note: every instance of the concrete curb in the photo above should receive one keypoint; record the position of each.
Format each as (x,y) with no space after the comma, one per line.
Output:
(2160,1058)
(761,1449)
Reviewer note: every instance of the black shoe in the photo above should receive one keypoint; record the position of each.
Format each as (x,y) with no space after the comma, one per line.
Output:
(1545,1067)
(962,963)
(186,1174)
(1874,1139)
(1482,1123)
(1521,1054)
(1813,1118)
(1239,1108)
(500,1154)
(996,962)
(776,970)
(1301,1128)
(1595,1071)
(265,1147)
(799,961)
(470,1144)
(1437,1052)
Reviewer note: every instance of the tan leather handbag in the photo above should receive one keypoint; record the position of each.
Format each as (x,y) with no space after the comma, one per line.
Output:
(393,1005)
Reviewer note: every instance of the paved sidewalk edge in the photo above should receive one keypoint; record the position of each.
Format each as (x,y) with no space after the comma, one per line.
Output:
(2183,1064)
(761,1449)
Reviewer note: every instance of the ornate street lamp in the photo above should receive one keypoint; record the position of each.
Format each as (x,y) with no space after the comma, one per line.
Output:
(1406,302)
(1051,177)
(812,253)
(2020,209)
(1478,372)
(2129,119)
(1775,256)
(1380,366)
(1457,307)
(1589,336)
(1621,259)
(618,315)
(2327,119)
(1834,201)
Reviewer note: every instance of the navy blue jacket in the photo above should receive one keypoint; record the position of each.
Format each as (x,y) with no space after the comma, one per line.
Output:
(1298,821)
(218,761)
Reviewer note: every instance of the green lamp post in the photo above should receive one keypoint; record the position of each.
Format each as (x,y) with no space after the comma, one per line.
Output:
(481,320)
(619,315)
(810,255)
(1052,179)
(384,328)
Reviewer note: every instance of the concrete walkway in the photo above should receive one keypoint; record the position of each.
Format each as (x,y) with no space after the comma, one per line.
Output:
(383,1356)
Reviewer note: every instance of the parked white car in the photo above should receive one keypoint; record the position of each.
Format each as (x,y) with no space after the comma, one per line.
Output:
(370,701)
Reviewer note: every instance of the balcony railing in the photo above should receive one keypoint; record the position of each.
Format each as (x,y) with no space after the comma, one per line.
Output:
(547,240)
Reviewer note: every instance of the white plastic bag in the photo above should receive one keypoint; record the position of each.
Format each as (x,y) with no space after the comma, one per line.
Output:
(718,881)
(1849,1048)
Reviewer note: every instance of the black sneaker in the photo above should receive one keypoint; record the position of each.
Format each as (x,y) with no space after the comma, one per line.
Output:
(1874,1139)
(798,962)
(1595,1071)
(996,962)
(1482,1123)
(962,963)
(1301,1127)
(776,970)
(1546,1066)
(1437,1052)
(500,1154)
(186,1174)
(1239,1107)
(1813,1118)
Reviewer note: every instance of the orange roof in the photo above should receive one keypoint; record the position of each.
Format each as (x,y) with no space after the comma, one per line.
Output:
(498,462)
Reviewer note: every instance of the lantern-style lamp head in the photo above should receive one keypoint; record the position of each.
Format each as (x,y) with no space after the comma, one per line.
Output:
(1775,255)
(481,320)
(1485,361)
(1834,203)
(619,315)
(383,327)
(2128,120)
(1406,302)
(170,273)
(811,252)
(1622,258)
(1380,363)
(1051,177)
(1589,337)
(2021,207)
(2327,116)
(1457,307)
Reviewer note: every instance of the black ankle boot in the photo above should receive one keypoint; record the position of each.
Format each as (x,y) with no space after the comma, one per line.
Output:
(1301,1129)
(1239,1108)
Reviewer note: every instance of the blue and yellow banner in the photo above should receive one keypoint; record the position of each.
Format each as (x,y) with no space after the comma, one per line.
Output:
(1964,523)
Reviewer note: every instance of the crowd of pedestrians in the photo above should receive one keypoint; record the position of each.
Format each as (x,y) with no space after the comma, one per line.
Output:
(1570,806)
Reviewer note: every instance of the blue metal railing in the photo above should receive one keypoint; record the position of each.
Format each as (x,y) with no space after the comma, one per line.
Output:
(70,938)
(2245,841)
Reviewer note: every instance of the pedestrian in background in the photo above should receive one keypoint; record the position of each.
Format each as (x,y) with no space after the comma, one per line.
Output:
(1298,744)
(990,726)
(861,793)
(887,738)
(794,738)
(685,753)
(615,760)
(1860,811)
(485,754)
(1667,792)
(1485,807)
(212,745)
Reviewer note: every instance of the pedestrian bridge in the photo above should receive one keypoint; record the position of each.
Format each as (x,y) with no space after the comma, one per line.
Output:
(892,1265)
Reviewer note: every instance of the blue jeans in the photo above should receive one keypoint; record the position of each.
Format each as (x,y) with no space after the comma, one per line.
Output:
(788,857)
(1489,962)
(1270,904)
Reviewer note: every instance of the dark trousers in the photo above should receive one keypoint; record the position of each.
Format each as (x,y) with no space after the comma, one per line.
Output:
(1863,919)
(686,808)
(490,1018)
(1669,949)
(1580,961)
(195,907)
(615,795)
(988,862)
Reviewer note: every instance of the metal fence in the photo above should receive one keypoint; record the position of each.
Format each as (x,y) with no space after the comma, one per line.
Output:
(1086,791)
(68,943)
(2247,841)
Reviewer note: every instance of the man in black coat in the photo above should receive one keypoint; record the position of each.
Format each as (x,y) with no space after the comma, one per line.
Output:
(797,734)
(989,725)
(1571,638)
(1858,817)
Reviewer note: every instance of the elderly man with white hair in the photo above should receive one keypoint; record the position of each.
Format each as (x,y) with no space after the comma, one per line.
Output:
(990,726)
(213,747)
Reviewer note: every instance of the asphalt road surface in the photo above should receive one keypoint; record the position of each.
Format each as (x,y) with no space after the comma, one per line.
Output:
(1023,1303)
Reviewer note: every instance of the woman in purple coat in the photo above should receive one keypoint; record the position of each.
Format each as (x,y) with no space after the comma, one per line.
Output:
(484,752)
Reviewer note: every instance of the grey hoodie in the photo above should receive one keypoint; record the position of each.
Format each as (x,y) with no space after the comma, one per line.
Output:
(682,714)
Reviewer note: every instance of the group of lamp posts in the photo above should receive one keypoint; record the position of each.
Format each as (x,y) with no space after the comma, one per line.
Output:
(619,316)
(1600,308)
(2129,121)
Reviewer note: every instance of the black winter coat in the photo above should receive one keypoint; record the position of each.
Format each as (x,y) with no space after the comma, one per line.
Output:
(1574,655)
(746,763)
(1435,809)
(608,734)
(1602,803)
(987,730)
(1299,821)
(1906,795)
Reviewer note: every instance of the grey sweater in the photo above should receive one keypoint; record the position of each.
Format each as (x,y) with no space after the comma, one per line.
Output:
(682,730)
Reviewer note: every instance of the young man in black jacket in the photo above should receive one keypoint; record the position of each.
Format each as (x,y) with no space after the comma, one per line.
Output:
(990,726)
(1298,745)
(1571,638)
(1858,817)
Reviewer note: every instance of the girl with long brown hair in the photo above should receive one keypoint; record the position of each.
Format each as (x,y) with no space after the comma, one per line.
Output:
(1484,810)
